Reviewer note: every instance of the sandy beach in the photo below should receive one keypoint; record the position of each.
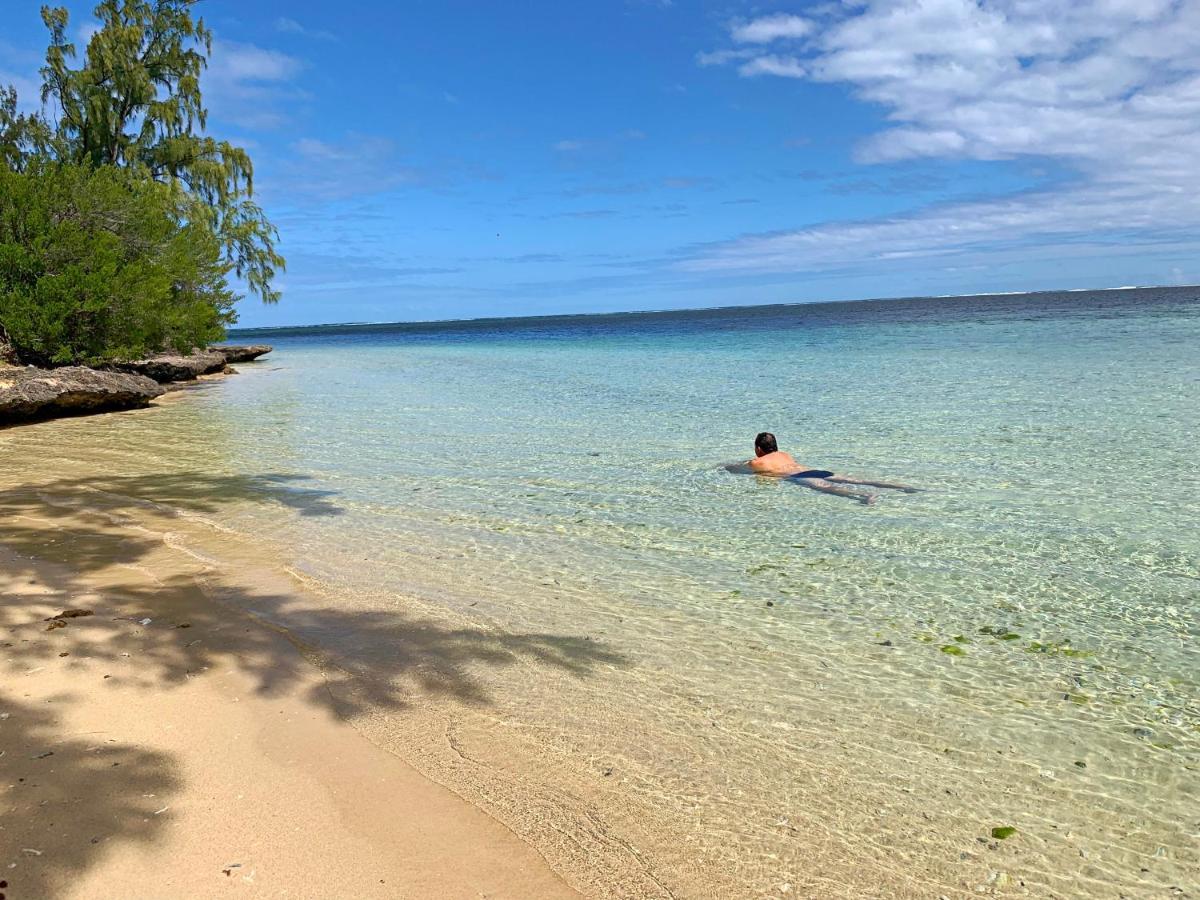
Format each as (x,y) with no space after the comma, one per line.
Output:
(164,745)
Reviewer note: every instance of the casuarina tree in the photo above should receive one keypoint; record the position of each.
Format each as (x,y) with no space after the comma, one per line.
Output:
(134,102)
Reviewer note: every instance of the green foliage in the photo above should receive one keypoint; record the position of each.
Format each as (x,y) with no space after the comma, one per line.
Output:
(22,137)
(135,103)
(96,264)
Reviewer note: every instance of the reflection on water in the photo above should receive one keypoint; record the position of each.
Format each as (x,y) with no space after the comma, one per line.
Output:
(814,697)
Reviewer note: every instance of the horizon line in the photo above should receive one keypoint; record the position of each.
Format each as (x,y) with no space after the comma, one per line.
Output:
(687,309)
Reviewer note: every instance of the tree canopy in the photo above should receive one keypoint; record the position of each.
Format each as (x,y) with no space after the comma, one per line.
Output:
(91,270)
(127,127)
(136,102)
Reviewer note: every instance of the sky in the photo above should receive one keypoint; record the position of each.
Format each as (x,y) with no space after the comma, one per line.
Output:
(433,160)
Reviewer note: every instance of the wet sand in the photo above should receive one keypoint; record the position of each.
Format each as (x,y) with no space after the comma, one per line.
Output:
(198,753)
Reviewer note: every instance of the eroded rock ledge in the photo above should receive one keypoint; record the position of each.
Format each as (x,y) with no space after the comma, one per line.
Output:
(171,367)
(242,353)
(28,393)
(32,393)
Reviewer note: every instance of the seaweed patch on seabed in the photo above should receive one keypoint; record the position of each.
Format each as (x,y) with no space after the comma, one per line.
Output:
(1171,704)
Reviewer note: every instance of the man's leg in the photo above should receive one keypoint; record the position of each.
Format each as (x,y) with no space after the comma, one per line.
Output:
(823,485)
(846,479)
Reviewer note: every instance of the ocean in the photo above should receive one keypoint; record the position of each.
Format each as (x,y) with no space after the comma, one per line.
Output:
(679,681)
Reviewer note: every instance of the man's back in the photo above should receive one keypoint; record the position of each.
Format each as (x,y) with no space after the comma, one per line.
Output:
(775,463)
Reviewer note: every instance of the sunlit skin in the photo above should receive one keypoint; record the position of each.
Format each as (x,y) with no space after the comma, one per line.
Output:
(771,461)
(776,463)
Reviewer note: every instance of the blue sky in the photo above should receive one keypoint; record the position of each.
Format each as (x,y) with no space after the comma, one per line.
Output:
(441,160)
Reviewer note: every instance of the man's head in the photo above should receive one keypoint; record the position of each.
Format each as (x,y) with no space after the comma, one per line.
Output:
(764,444)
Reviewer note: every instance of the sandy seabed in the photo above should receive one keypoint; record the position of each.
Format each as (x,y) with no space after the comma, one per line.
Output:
(265,734)
(164,745)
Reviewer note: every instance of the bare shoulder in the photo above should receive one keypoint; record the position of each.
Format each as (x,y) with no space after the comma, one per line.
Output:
(777,463)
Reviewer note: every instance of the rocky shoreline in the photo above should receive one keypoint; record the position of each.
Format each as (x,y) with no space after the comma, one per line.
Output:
(29,394)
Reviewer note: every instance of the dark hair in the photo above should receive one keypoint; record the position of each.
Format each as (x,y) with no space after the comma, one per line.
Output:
(766,442)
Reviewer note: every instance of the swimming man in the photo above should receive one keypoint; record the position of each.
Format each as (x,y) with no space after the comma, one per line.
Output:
(770,460)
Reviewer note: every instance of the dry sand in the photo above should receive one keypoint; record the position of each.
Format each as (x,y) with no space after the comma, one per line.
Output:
(196,754)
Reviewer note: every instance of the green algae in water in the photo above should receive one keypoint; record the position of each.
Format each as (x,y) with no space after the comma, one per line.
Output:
(954,650)
(1003,833)
(1002,633)
(764,567)
(1058,648)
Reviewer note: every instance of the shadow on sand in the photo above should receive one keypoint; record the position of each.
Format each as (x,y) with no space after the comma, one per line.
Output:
(101,793)
(395,658)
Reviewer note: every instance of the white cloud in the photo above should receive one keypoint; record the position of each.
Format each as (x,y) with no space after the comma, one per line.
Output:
(783,66)
(29,91)
(770,28)
(83,34)
(569,146)
(238,62)
(251,86)
(720,57)
(19,69)
(320,151)
(1109,89)
(1131,213)
(287,25)
(327,170)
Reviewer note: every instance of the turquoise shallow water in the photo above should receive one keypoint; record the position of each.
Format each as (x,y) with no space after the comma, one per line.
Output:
(1055,434)
(1015,645)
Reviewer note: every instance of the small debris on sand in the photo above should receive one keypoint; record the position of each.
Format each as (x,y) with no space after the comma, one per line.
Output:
(71,614)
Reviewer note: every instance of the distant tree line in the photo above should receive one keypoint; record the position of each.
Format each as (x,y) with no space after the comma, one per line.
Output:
(121,220)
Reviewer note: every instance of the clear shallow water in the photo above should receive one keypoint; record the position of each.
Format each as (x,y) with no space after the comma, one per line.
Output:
(791,693)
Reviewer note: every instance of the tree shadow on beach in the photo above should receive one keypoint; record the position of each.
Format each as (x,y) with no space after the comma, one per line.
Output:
(72,539)
(72,521)
(192,492)
(368,659)
(84,510)
(69,800)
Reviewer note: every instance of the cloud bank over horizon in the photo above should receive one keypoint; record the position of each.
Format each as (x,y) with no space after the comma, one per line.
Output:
(1109,90)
